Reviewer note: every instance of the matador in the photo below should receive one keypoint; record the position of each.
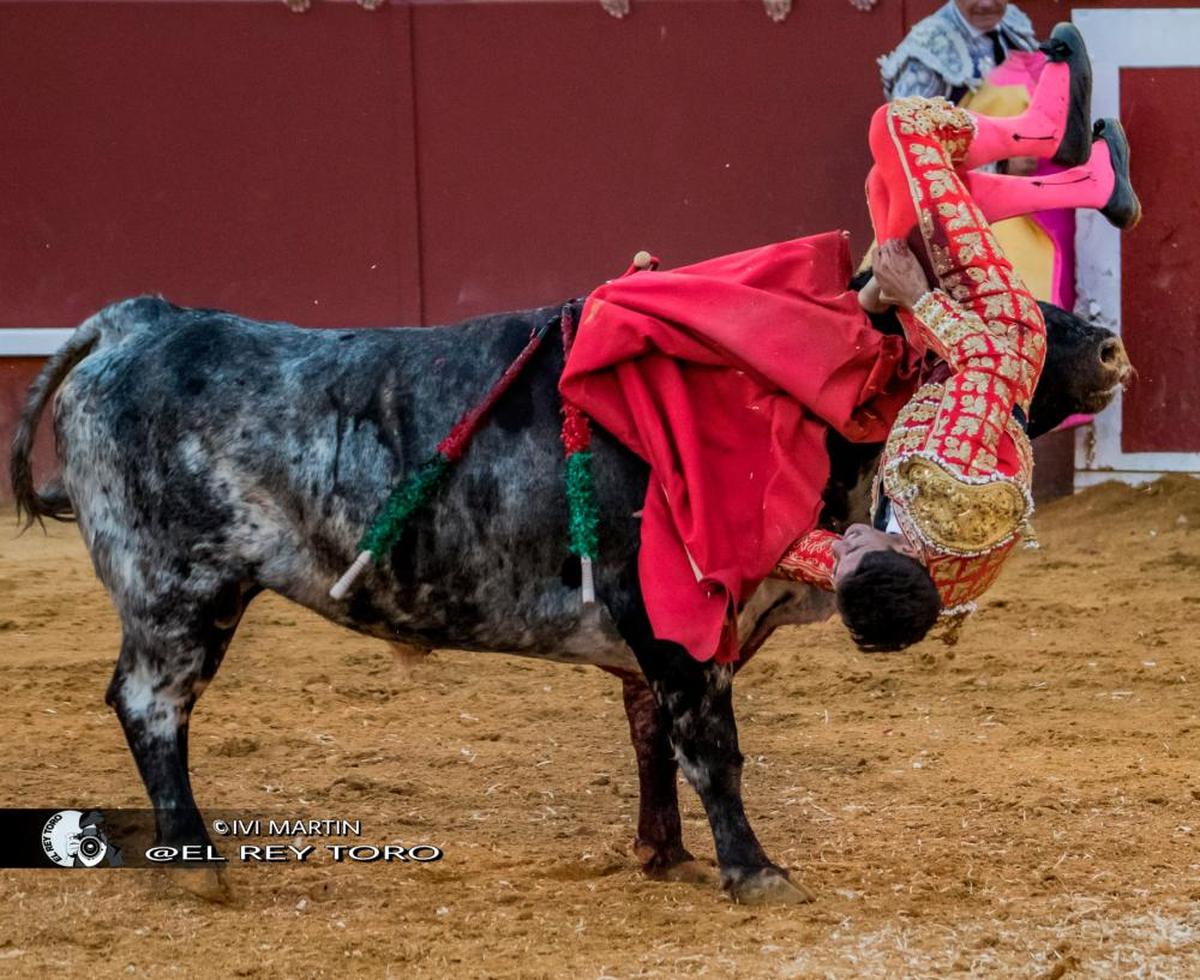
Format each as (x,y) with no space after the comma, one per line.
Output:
(952,494)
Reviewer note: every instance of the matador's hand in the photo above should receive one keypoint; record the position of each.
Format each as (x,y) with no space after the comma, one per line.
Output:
(901,279)
(618,8)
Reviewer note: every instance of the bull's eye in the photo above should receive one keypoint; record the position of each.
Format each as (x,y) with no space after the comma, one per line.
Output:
(1109,351)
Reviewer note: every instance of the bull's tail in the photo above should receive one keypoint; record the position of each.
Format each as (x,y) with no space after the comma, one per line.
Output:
(109,326)
(52,501)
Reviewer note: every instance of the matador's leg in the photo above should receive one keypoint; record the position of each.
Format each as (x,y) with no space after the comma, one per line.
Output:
(916,144)
(1101,183)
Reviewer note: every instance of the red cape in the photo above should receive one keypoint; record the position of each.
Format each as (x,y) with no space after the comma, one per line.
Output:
(725,376)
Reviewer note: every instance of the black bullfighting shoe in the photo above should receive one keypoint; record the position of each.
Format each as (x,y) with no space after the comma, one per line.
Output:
(1066,46)
(1123,209)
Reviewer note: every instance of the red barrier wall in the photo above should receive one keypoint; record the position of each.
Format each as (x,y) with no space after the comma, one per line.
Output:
(226,154)
(412,164)
(691,129)
(419,163)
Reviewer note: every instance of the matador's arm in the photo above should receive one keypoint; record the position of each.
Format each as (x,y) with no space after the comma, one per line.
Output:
(995,367)
(810,559)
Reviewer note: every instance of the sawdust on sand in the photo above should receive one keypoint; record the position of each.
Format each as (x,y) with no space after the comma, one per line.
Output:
(1027,802)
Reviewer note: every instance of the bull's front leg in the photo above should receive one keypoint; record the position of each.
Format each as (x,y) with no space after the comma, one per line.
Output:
(697,700)
(659,841)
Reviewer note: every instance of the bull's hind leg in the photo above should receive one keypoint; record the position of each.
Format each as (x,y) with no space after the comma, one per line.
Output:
(659,842)
(698,702)
(170,650)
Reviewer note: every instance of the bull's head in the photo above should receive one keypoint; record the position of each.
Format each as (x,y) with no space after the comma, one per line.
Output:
(1085,365)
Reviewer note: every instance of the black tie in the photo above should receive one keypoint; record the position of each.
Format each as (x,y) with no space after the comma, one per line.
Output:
(998,52)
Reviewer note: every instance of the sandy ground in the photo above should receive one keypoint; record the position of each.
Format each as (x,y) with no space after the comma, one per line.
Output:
(1026,803)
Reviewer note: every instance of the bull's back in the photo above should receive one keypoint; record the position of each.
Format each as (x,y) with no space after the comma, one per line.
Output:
(261,452)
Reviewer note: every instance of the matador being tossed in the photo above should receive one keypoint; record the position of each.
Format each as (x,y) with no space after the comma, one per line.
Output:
(952,496)
(728,376)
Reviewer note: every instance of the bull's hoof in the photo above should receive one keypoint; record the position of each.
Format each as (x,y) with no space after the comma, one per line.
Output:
(209,884)
(768,886)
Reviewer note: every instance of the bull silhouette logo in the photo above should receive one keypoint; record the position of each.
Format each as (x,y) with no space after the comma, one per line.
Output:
(73,839)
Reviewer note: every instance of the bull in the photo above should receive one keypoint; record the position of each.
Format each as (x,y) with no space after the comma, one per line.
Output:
(207,457)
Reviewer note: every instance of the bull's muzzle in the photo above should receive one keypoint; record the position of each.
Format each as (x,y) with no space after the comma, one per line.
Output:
(1114,360)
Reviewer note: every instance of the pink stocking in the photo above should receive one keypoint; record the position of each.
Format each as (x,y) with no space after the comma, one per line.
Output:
(1087,186)
(1036,132)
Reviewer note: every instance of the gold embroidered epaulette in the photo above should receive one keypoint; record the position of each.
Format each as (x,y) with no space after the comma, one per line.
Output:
(953,513)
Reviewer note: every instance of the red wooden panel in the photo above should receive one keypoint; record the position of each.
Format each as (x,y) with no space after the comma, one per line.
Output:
(228,154)
(554,141)
(1160,281)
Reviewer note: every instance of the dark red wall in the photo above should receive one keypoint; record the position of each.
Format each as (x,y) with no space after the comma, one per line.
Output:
(420,163)
(691,129)
(227,154)
(413,164)
(416,163)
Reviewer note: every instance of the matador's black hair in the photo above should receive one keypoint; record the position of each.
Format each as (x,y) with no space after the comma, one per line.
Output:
(889,602)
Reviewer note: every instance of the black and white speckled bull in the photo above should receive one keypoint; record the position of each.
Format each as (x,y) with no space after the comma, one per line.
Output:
(208,457)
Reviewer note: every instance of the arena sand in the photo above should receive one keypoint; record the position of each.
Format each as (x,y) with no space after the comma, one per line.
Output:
(1024,804)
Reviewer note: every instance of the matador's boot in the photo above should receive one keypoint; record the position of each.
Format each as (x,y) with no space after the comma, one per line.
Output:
(1123,208)
(1065,46)
(1057,125)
